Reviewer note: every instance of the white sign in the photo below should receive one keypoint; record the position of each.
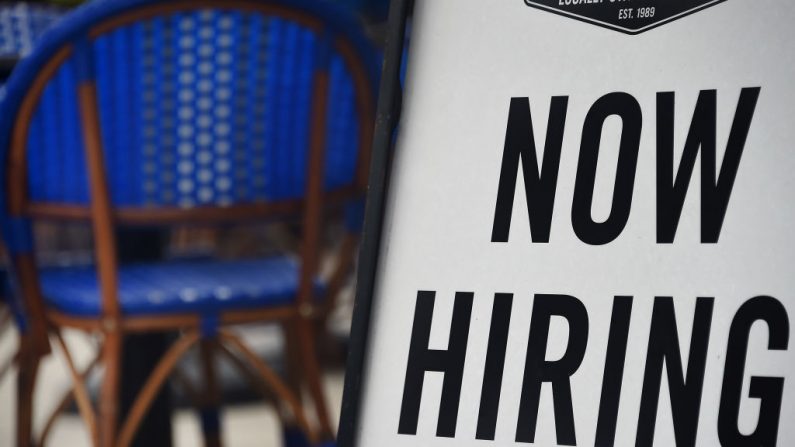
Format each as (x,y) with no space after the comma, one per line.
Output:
(589,229)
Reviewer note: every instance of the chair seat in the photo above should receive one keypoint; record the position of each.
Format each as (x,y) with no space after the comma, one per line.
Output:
(194,286)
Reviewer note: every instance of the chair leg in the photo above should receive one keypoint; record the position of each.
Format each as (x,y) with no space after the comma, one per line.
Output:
(210,406)
(292,354)
(292,435)
(29,361)
(312,375)
(110,391)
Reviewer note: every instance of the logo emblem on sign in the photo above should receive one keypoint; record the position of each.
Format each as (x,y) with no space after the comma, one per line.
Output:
(626,16)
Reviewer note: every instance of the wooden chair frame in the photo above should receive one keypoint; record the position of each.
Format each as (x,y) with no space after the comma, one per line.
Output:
(113,324)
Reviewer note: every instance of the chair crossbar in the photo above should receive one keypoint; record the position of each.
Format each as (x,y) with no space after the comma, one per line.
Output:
(80,391)
(269,377)
(153,384)
(65,401)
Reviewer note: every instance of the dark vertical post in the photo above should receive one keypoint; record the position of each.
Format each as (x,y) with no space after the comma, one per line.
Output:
(142,351)
(387,117)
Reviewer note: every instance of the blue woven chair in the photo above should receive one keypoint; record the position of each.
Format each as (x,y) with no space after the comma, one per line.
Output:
(144,112)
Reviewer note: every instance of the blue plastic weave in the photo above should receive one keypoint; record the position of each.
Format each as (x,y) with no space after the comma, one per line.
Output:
(205,287)
(206,107)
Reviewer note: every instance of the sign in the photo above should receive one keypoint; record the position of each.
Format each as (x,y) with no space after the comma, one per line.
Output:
(587,235)
(629,16)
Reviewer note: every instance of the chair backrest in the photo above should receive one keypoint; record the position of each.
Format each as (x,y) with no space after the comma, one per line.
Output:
(203,107)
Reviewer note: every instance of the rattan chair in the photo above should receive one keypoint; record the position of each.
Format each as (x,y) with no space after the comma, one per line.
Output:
(144,112)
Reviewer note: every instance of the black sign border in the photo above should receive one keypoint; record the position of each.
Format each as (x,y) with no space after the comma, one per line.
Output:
(387,118)
(610,26)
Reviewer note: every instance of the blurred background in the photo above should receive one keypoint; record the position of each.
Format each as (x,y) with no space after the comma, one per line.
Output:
(68,245)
